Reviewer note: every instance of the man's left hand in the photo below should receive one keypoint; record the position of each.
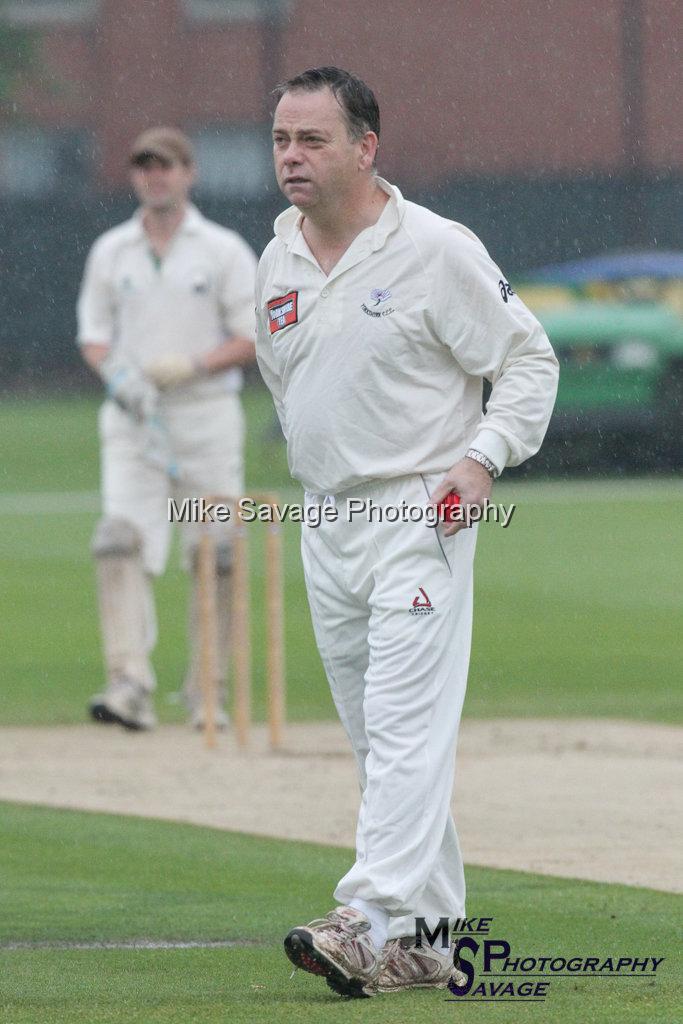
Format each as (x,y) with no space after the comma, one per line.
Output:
(172,370)
(468,479)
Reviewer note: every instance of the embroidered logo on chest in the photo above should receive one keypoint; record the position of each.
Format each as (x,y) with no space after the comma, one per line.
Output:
(283,311)
(378,296)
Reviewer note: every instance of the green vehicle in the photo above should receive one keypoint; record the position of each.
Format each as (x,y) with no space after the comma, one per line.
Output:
(620,397)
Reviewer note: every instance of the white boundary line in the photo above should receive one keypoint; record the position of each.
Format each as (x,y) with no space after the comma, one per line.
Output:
(533,492)
(41,503)
(132,944)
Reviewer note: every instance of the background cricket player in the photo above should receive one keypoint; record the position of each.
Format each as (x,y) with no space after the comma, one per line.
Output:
(166,319)
(377,324)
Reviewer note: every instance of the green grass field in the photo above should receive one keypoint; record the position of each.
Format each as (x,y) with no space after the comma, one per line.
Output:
(577,614)
(88,878)
(577,602)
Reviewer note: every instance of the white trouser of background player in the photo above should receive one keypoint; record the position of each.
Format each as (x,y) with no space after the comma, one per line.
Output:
(398,673)
(204,445)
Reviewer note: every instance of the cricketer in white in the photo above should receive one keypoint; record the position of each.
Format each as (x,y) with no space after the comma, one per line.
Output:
(166,318)
(377,322)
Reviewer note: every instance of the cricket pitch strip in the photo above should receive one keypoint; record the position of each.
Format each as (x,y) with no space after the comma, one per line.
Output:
(580,798)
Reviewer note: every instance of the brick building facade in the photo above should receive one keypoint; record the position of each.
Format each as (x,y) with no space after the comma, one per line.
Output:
(490,88)
(550,127)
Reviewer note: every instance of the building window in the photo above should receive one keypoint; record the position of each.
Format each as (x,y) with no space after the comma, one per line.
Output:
(235,10)
(37,162)
(28,13)
(234,161)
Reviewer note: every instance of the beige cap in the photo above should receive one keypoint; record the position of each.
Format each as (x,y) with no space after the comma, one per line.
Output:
(167,144)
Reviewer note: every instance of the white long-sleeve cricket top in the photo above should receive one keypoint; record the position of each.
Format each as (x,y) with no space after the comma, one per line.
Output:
(377,369)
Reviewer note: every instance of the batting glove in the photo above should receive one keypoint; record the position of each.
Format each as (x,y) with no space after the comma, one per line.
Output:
(172,370)
(128,387)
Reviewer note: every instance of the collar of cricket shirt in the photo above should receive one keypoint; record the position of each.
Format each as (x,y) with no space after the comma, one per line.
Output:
(287,225)
(191,222)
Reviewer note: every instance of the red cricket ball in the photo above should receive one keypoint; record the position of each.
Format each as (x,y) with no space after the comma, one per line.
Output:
(447,507)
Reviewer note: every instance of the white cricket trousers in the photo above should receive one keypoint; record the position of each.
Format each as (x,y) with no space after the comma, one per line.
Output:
(204,441)
(391,605)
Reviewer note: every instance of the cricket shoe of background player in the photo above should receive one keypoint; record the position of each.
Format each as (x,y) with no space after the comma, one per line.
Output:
(337,947)
(124,703)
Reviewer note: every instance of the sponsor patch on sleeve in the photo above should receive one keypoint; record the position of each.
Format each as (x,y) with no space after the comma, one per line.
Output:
(283,311)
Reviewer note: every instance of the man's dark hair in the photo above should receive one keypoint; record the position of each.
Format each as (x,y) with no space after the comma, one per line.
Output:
(356,99)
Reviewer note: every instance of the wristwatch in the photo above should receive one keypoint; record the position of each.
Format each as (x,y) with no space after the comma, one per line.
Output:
(483,460)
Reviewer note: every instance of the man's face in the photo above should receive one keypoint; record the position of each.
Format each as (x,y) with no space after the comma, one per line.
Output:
(161,186)
(315,159)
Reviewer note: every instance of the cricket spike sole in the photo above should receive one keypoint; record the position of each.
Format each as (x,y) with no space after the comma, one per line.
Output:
(301,951)
(101,713)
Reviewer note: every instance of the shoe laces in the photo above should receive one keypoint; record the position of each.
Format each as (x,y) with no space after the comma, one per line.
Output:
(394,951)
(401,953)
(127,686)
(340,923)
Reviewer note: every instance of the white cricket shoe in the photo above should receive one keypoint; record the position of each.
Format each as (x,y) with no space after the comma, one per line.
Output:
(403,965)
(124,703)
(196,716)
(338,948)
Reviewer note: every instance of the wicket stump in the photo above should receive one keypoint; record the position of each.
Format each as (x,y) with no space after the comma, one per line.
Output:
(240,614)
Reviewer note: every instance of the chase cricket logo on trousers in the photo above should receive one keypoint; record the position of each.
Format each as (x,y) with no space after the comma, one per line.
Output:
(421,604)
(283,311)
